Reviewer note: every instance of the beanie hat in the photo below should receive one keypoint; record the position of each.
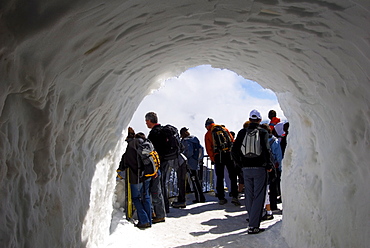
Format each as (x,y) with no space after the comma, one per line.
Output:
(209,121)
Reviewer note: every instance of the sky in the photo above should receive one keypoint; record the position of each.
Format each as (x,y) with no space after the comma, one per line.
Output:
(204,92)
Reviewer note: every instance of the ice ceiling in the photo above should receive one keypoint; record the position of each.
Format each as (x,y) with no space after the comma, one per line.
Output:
(74,72)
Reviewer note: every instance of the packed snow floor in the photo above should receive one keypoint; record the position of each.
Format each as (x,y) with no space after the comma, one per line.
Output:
(198,225)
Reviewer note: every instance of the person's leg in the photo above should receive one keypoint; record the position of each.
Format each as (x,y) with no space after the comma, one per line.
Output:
(146,199)
(136,194)
(214,180)
(181,180)
(267,198)
(157,197)
(232,175)
(198,191)
(259,190)
(193,175)
(219,169)
(278,180)
(200,174)
(165,171)
(273,195)
(227,180)
(268,215)
(248,189)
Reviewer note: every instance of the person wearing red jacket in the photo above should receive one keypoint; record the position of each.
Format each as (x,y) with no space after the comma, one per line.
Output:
(273,121)
(221,159)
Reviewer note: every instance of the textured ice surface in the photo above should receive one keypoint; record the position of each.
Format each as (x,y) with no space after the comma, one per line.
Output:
(74,72)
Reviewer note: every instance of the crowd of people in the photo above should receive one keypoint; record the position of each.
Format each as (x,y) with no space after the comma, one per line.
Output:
(250,161)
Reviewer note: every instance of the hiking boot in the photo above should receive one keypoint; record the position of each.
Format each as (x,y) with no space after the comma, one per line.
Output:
(236,201)
(255,230)
(179,205)
(267,217)
(143,226)
(157,220)
(222,201)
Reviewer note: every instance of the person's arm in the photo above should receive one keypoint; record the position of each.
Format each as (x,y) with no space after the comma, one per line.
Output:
(276,150)
(188,148)
(209,145)
(236,148)
(265,149)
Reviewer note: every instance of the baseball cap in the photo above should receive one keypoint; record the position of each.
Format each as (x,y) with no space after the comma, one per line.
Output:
(255,115)
(183,130)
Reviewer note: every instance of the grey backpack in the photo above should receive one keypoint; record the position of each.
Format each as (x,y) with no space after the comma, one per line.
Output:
(251,145)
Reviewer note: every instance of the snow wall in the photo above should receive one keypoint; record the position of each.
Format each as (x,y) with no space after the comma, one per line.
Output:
(74,72)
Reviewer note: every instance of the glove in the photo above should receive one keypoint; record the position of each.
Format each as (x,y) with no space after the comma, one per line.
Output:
(269,166)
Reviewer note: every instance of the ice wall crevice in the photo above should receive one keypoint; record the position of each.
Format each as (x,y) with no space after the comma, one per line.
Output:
(70,85)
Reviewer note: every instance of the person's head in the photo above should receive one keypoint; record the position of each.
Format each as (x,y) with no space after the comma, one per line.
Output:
(131,133)
(246,124)
(184,132)
(232,133)
(140,135)
(272,114)
(255,116)
(266,127)
(151,119)
(209,121)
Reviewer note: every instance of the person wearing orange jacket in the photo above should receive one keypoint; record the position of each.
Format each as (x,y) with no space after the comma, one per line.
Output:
(221,159)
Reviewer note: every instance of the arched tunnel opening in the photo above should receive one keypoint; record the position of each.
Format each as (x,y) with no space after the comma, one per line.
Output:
(187,101)
(74,74)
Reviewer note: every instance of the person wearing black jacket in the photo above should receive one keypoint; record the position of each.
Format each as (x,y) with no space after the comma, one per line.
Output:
(169,160)
(254,171)
(138,182)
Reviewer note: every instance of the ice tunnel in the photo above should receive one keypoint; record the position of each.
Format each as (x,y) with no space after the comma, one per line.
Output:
(74,72)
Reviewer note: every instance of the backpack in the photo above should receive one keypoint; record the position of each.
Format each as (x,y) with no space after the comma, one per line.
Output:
(221,139)
(149,158)
(272,175)
(273,159)
(198,150)
(172,143)
(251,145)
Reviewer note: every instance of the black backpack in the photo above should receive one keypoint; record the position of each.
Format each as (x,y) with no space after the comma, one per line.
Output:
(172,143)
(222,141)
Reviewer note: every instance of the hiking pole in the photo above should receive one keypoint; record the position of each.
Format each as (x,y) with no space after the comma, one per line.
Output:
(129,199)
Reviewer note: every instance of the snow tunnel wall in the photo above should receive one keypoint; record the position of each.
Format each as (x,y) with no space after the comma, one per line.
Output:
(74,72)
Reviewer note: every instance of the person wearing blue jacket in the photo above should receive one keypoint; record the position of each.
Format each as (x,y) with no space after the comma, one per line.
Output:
(277,159)
(194,152)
